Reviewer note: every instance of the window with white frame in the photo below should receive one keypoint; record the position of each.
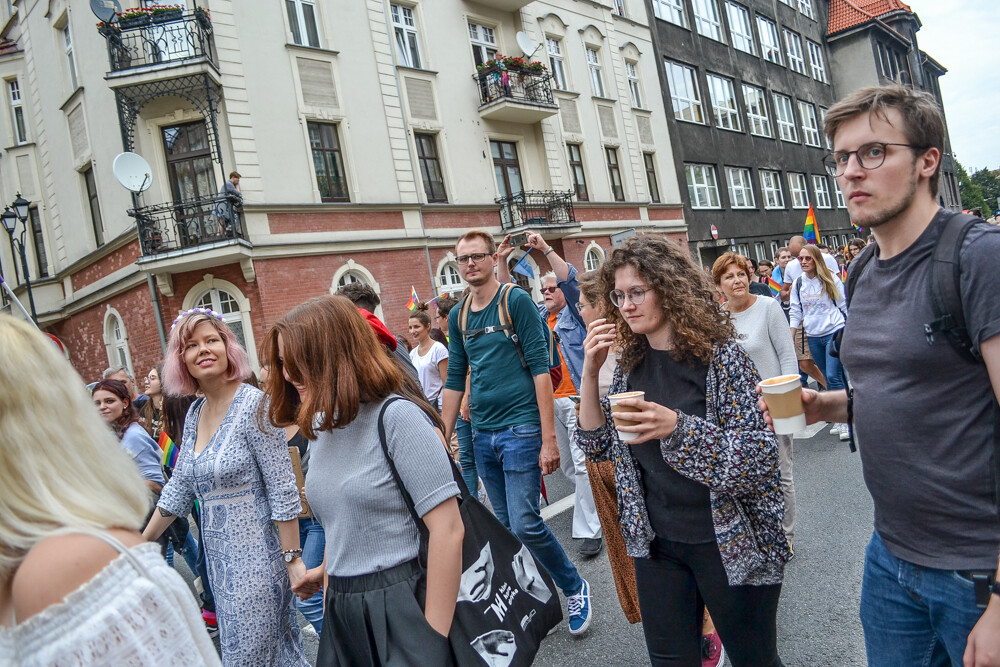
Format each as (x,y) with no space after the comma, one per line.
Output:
(684,94)
(770,45)
(450,279)
(758,249)
(70,60)
(821,188)
(810,126)
(593,259)
(786,118)
(226,305)
(806,7)
(799,190)
(843,239)
(620,8)
(596,76)
(740,187)
(770,187)
(841,202)
(706,19)
(17,112)
(727,115)
(351,277)
(484,42)
(556,63)
(790,3)
(631,71)
(302,20)
(740,30)
(816,60)
(743,249)
(670,10)
(703,187)
(404,26)
(822,124)
(116,342)
(774,249)
(757,117)
(793,47)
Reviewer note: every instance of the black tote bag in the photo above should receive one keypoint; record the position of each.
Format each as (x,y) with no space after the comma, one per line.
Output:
(507,602)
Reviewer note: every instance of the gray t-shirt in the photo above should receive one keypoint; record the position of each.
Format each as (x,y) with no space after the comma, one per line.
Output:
(924,415)
(351,490)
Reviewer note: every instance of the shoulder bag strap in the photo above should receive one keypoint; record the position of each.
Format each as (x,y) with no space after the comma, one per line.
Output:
(857,266)
(392,468)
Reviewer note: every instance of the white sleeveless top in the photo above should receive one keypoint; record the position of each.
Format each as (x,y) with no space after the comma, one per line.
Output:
(136,611)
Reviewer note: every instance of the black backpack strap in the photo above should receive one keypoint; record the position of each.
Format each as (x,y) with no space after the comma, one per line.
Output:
(945,282)
(855,269)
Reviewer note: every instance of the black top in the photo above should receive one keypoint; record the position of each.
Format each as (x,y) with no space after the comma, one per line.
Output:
(298,440)
(760,289)
(679,508)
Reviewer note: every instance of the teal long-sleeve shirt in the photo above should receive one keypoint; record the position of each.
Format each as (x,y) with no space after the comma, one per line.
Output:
(503,392)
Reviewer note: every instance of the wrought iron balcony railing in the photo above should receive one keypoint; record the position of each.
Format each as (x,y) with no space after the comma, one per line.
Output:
(175,39)
(517,85)
(536,209)
(188,224)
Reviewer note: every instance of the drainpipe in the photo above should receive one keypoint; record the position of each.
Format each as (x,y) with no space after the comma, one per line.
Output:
(156,312)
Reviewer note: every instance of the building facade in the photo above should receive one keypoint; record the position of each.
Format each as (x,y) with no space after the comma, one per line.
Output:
(368,135)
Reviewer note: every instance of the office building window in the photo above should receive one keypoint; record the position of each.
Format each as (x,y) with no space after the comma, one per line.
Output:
(740,30)
(302,20)
(888,61)
(841,202)
(727,116)
(556,64)
(757,117)
(786,118)
(670,10)
(706,19)
(774,249)
(703,188)
(822,124)
(740,187)
(770,46)
(806,7)
(800,191)
(404,26)
(576,169)
(810,126)
(41,257)
(793,47)
(70,60)
(684,95)
(596,77)
(328,160)
(770,186)
(816,60)
(654,188)
(758,249)
(430,167)
(631,71)
(17,112)
(95,206)
(821,188)
(614,174)
(484,43)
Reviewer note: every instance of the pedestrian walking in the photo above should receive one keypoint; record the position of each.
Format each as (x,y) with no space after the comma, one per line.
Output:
(429,357)
(152,413)
(111,397)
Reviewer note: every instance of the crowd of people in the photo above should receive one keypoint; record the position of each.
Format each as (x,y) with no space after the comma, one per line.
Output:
(332,487)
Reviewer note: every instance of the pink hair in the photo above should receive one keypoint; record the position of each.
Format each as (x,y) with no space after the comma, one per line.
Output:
(177,380)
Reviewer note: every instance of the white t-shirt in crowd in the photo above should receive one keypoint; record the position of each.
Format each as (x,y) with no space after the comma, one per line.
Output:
(427,371)
(794,268)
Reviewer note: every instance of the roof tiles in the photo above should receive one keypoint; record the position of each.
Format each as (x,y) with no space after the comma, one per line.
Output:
(847,14)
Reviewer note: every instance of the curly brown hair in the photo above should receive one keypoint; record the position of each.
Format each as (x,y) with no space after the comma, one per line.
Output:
(687,297)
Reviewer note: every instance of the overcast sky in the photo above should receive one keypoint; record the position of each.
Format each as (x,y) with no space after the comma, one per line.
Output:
(964,36)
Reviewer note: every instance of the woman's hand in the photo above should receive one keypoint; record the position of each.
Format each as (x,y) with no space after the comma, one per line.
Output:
(309,583)
(655,422)
(296,571)
(600,338)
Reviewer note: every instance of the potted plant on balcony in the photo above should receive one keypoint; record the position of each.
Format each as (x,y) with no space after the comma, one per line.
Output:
(204,18)
(133,17)
(165,13)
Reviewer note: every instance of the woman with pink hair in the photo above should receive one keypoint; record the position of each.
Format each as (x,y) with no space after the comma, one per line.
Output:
(239,469)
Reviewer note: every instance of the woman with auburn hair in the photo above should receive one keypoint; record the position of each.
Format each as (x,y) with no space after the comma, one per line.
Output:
(817,304)
(240,471)
(699,496)
(78,585)
(331,377)
(117,410)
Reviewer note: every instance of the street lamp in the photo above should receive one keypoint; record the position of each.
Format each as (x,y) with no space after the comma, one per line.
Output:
(9,219)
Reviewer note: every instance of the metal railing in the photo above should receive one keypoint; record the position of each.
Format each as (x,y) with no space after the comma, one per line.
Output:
(540,208)
(518,85)
(184,37)
(188,224)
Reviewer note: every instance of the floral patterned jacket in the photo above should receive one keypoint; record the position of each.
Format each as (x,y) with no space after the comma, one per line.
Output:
(731,451)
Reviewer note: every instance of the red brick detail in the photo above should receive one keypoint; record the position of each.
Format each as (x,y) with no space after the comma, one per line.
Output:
(666,214)
(460,219)
(105,266)
(333,221)
(600,214)
(847,14)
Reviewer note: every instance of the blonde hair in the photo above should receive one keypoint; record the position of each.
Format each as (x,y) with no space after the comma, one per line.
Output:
(54,473)
(823,272)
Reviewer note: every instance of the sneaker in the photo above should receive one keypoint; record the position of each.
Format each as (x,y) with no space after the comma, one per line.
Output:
(579,611)
(211,623)
(791,550)
(591,546)
(712,653)
(834,428)
(845,434)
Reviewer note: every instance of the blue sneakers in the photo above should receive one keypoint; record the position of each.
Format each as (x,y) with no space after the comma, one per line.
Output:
(579,611)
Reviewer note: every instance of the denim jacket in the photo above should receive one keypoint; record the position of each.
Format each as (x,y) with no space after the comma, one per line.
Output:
(569,326)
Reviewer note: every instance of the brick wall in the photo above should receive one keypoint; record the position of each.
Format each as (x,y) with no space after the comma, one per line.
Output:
(107,265)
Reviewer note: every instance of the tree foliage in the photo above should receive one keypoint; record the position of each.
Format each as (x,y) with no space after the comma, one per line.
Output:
(972,193)
(989,183)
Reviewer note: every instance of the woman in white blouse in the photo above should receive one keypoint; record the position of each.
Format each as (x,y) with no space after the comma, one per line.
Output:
(78,584)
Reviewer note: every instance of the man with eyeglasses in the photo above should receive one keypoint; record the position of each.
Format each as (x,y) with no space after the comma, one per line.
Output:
(925,413)
(559,309)
(512,411)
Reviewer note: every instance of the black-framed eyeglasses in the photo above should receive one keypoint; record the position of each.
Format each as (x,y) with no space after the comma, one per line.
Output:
(475,257)
(635,294)
(549,290)
(870,156)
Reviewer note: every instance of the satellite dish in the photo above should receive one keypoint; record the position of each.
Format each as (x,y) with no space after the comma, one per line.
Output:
(105,10)
(528,46)
(132,171)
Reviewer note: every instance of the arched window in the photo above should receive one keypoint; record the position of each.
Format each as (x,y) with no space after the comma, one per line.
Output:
(450,279)
(593,259)
(352,272)
(530,284)
(227,300)
(116,340)
(351,277)
(226,305)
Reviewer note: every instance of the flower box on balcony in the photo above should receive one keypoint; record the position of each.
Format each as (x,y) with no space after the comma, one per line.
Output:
(167,15)
(133,21)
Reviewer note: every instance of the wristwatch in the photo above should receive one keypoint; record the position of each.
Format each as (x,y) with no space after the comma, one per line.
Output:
(292,554)
(995,587)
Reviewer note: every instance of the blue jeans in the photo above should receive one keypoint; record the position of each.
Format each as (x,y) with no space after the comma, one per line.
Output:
(466,457)
(190,553)
(914,615)
(312,539)
(508,465)
(829,365)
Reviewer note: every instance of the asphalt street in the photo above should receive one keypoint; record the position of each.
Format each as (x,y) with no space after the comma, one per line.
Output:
(818,614)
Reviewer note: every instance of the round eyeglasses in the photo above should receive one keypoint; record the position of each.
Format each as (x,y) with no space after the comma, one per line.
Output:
(635,294)
(870,156)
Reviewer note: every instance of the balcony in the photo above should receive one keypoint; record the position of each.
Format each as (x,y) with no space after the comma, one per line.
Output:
(515,95)
(538,209)
(151,43)
(176,228)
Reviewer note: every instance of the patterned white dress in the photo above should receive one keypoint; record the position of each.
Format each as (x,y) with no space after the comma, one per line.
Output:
(244,482)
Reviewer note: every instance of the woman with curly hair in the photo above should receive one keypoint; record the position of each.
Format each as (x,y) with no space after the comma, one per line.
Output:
(699,494)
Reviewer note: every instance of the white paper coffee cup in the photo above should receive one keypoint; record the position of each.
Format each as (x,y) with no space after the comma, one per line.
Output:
(613,399)
(783,396)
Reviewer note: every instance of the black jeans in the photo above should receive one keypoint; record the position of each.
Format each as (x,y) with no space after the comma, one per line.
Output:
(675,584)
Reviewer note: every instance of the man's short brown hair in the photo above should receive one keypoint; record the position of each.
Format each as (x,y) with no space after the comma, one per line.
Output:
(923,124)
(479,234)
(361,295)
(234,174)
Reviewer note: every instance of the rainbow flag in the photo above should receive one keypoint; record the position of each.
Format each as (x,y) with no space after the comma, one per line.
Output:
(170,450)
(773,286)
(811,231)
(843,273)
(414,299)
(860,230)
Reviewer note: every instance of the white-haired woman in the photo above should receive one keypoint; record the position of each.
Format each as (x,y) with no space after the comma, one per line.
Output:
(78,585)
